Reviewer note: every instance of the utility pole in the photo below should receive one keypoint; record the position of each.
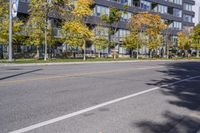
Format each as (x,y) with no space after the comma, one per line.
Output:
(10,31)
(45,49)
(45,32)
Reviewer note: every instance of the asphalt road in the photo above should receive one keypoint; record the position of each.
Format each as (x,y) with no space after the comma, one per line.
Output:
(137,97)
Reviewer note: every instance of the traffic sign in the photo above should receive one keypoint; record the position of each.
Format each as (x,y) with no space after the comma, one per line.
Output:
(15,4)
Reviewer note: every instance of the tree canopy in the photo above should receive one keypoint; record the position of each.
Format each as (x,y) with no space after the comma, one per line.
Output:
(4,24)
(183,41)
(132,41)
(196,37)
(75,32)
(151,25)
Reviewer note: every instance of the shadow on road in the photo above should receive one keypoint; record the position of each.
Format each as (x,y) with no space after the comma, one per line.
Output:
(23,73)
(187,96)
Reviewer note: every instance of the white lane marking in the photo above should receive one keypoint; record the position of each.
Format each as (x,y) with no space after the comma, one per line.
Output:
(35,126)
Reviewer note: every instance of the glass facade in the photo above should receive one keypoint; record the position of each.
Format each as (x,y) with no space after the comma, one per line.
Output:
(176,25)
(187,7)
(161,9)
(187,18)
(177,14)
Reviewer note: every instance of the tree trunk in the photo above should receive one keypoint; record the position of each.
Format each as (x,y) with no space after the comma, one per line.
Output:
(197,53)
(74,55)
(151,53)
(99,54)
(186,53)
(2,52)
(114,55)
(38,53)
(109,44)
(132,53)
(84,51)
(137,53)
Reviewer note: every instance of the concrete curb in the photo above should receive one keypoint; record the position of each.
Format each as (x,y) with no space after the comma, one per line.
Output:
(90,62)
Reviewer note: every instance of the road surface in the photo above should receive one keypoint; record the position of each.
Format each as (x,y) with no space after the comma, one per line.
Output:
(134,97)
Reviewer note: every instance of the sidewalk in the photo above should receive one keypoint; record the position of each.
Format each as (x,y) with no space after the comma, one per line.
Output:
(68,63)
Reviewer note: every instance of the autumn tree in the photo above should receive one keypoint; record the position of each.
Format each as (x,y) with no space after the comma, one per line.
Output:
(100,43)
(184,42)
(75,32)
(151,25)
(100,39)
(37,23)
(196,38)
(112,20)
(4,25)
(133,41)
(39,27)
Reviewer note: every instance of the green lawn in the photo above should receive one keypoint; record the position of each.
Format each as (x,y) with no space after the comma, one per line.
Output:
(21,61)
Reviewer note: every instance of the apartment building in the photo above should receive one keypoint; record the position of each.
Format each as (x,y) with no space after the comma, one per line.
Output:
(178,14)
(197,12)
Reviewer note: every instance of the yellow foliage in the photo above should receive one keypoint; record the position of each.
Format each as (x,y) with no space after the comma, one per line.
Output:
(82,8)
(100,43)
(154,42)
(132,41)
(150,23)
(75,33)
(4,24)
(76,27)
(183,41)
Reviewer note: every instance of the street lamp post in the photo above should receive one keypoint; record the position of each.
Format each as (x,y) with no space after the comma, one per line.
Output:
(10,31)
(45,49)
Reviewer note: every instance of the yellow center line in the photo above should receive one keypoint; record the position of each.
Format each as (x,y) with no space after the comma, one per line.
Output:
(74,75)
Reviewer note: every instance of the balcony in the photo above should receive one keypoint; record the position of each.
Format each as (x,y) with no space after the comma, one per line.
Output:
(189,2)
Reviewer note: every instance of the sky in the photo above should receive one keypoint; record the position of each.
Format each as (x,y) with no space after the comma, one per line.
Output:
(197,11)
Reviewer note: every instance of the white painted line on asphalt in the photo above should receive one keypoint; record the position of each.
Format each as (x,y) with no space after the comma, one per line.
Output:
(48,122)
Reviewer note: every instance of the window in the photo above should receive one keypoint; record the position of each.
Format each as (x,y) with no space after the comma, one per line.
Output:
(145,5)
(187,7)
(176,25)
(187,18)
(101,10)
(178,2)
(126,16)
(177,12)
(161,9)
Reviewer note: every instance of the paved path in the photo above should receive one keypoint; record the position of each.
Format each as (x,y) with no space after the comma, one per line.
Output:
(126,97)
